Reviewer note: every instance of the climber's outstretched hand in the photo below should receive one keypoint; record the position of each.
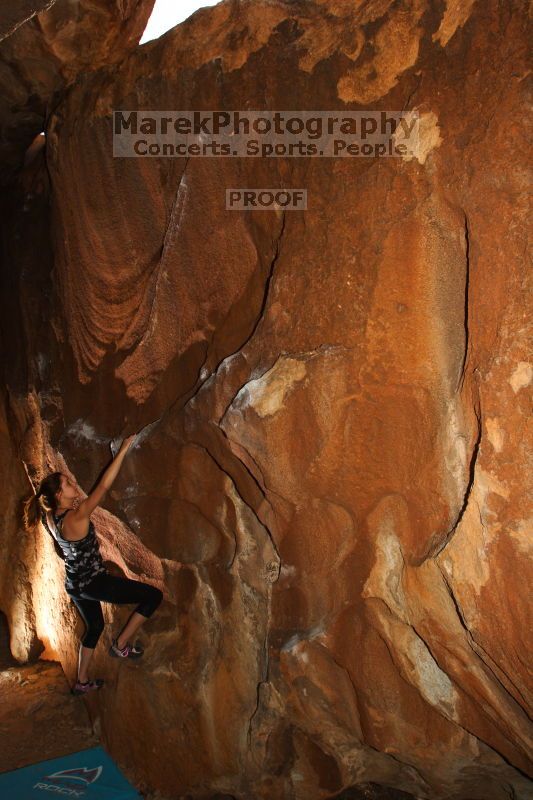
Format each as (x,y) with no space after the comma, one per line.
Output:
(87,506)
(128,441)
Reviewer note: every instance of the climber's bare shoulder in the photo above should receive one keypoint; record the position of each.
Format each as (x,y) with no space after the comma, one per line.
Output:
(75,527)
(76,521)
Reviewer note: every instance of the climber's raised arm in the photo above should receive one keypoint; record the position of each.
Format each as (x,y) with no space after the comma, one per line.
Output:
(87,506)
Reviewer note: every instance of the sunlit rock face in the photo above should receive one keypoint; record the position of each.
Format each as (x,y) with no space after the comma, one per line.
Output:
(331,487)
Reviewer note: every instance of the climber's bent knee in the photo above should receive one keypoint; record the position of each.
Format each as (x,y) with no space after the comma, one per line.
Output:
(91,639)
(154,597)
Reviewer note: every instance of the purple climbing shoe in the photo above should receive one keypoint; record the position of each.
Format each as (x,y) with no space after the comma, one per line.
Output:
(129,651)
(88,686)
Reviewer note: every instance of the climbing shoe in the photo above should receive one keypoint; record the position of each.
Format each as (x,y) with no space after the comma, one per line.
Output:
(129,651)
(88,686)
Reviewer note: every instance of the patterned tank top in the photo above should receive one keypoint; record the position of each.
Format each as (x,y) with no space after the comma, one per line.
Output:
(82,557)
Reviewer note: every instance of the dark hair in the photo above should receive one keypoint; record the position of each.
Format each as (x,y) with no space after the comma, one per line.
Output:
(43,500)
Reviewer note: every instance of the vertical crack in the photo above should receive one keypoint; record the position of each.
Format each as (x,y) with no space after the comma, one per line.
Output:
(411,93)
(487,660)
(269,279)
(177,209)
(252,332)
(265,677)
(467,286)
(459,387)
(452,595)
(263,304)
(271,578)
(173,226)
(468,490)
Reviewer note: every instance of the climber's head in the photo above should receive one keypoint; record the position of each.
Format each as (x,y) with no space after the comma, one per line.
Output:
(56,490)
(68,493)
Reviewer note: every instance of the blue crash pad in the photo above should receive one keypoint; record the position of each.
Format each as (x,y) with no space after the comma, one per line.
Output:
(87,775)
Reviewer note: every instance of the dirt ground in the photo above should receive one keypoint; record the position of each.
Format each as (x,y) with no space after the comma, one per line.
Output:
(39,718)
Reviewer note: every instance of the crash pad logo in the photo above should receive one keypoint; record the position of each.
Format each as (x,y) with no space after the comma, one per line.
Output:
(70,782)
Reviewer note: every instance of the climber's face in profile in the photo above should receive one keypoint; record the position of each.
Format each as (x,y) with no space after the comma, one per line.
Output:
(69,493)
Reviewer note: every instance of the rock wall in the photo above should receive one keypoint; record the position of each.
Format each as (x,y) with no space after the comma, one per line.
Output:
(331,488)
(44,46)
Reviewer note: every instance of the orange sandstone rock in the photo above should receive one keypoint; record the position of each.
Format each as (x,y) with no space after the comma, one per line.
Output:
(333,490)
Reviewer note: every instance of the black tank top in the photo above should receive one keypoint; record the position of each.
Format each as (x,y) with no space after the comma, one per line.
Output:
(82,557)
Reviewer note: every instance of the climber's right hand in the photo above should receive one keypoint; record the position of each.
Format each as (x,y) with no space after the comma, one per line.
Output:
(128,441)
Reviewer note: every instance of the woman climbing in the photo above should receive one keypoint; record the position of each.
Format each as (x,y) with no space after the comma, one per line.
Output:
(66,516)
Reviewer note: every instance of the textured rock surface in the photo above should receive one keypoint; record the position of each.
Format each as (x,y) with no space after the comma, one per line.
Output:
(44,46)
(332,490)
(17,12)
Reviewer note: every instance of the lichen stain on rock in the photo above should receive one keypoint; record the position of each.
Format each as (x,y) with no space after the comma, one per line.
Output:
(433,683)
(385,579)
(495,434)
(521,377)
(426,136)
(266,394)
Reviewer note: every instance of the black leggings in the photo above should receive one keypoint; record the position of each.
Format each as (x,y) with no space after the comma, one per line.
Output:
(112,589)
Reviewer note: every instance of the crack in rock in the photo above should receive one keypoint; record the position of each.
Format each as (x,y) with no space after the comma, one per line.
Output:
(468,491)
(467,287)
